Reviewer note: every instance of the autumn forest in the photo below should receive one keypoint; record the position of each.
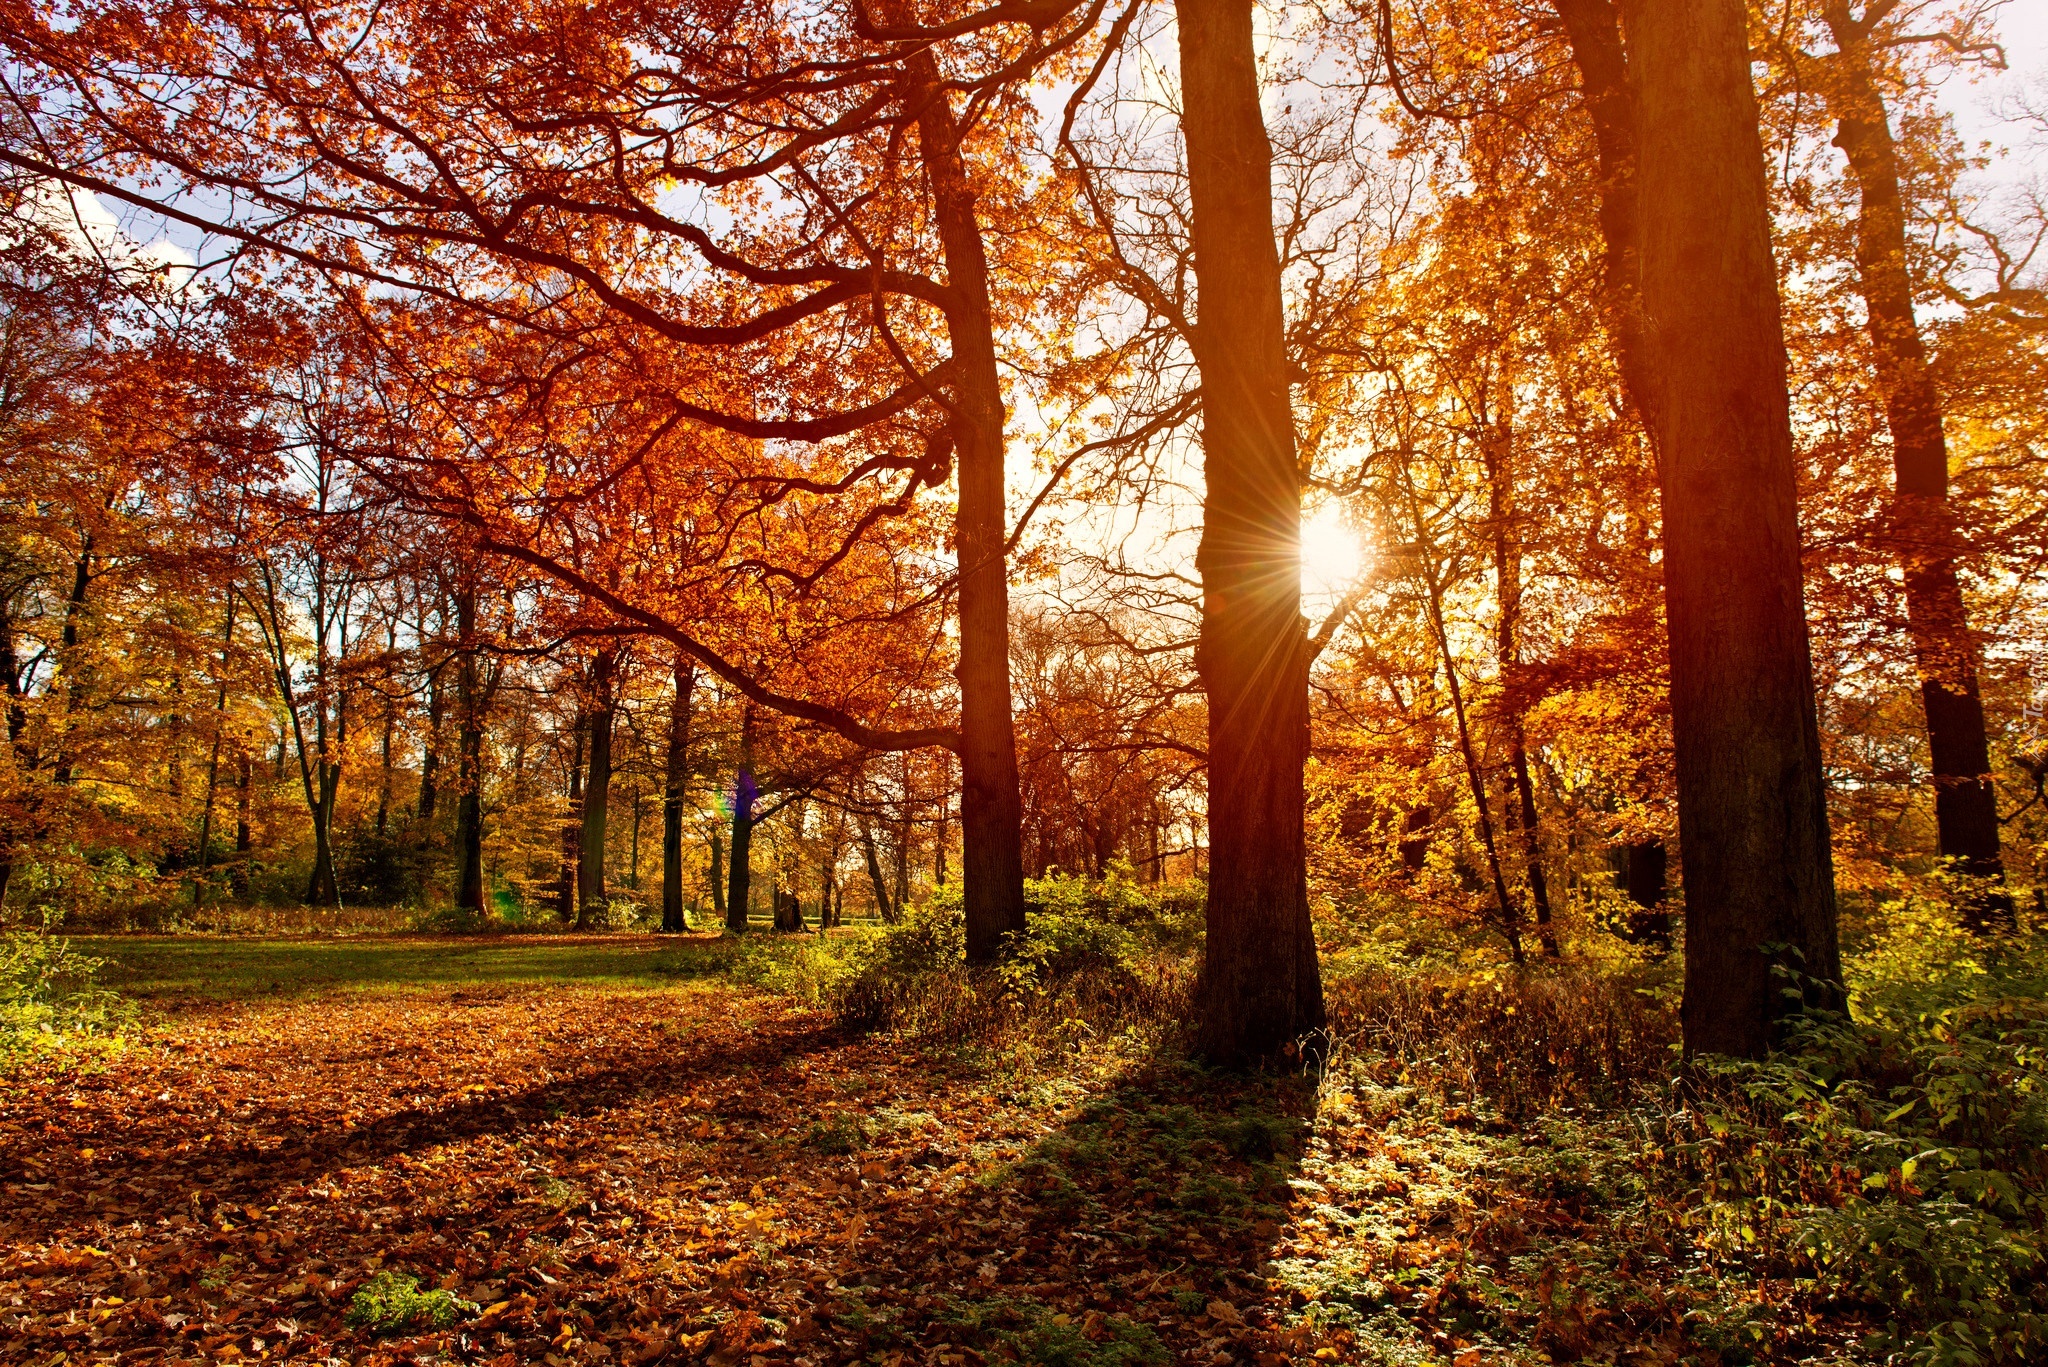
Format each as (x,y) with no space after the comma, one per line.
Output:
(1079,682)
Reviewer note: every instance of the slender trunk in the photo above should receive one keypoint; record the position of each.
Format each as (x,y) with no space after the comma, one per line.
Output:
(596,790)
(718,876)
(1509,913)
(430,750)
(744,792)
(572,829)
(1507,572)
(220,709)
(469,762)
(884,908)
(1261,985)
(675,780)
(245,802)
(1923,524)
(991,809)
(1701,341)
(74,691)
(633,856)
(384,771)
(828,882)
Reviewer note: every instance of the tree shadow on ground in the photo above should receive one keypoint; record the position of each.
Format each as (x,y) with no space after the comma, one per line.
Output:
(772,1190)
(1136,1231)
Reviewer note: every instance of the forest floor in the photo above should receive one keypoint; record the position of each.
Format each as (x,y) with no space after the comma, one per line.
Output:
(604,1152)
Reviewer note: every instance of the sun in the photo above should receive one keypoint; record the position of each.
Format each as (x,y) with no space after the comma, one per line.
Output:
(1332,554)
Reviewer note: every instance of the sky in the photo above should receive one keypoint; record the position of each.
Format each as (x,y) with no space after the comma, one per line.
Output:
(2023,25)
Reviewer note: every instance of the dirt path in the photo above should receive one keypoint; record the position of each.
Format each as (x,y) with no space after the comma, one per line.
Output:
(630,1176)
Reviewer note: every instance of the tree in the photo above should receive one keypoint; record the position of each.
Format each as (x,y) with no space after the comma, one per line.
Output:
(675,787)
(1924,528)
(1696,316)
(1261,986)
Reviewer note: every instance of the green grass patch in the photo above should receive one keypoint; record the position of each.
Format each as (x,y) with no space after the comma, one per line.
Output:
(235,968)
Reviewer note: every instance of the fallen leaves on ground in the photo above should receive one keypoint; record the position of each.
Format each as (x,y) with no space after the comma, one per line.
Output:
(629,1177)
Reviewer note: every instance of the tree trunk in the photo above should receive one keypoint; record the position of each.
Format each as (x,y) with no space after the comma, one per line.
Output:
(430,749)
(1923,525)
(596,791)
(718,876)
(675,780)
(744,792)
(1702,346)
(220,710)
(1261,985)
(469,764)
(74,692)
(572,829)
(991,810)
(245,784)
(1643,875)
(884,908)
(1507,572)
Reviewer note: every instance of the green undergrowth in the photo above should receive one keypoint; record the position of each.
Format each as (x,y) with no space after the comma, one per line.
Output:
(1519,1164)
(392,1303)
(1097,957)
(51,1000)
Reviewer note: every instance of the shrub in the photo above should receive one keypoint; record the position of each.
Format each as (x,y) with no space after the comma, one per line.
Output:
(1096,955)
(1894,1153)
(48,996)
(392,1303)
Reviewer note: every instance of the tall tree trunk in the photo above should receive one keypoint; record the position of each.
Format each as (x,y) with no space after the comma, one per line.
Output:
(220,710)
(744,792)
(469,764)
(1261,985)
(1923,525)
(73,666)
(718,877)
(884,908)
(991,809)
(572,828)
(675,782)
(1702,346)
(596,790)
(245,802)
(1507,574)
(430,749)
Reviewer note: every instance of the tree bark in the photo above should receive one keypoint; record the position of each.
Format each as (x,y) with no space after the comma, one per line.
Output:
(572,828)
(883,906)
(991,809)
(596,791)
(1261,985)
(1923,528)
(718,876)
(245,783)
(1507,573)
(675,780)
(1701,342)
(744,792)
(430,749)
(469,765)
(220,709)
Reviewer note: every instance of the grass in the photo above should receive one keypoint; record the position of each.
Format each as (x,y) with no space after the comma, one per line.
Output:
(225,969)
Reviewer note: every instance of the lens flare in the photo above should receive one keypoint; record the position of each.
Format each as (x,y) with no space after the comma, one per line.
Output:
(1332,555)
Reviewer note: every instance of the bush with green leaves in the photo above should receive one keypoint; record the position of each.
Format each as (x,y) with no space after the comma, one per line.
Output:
(392,1303)
(1893,1153)
(1094,954)
(48,996)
